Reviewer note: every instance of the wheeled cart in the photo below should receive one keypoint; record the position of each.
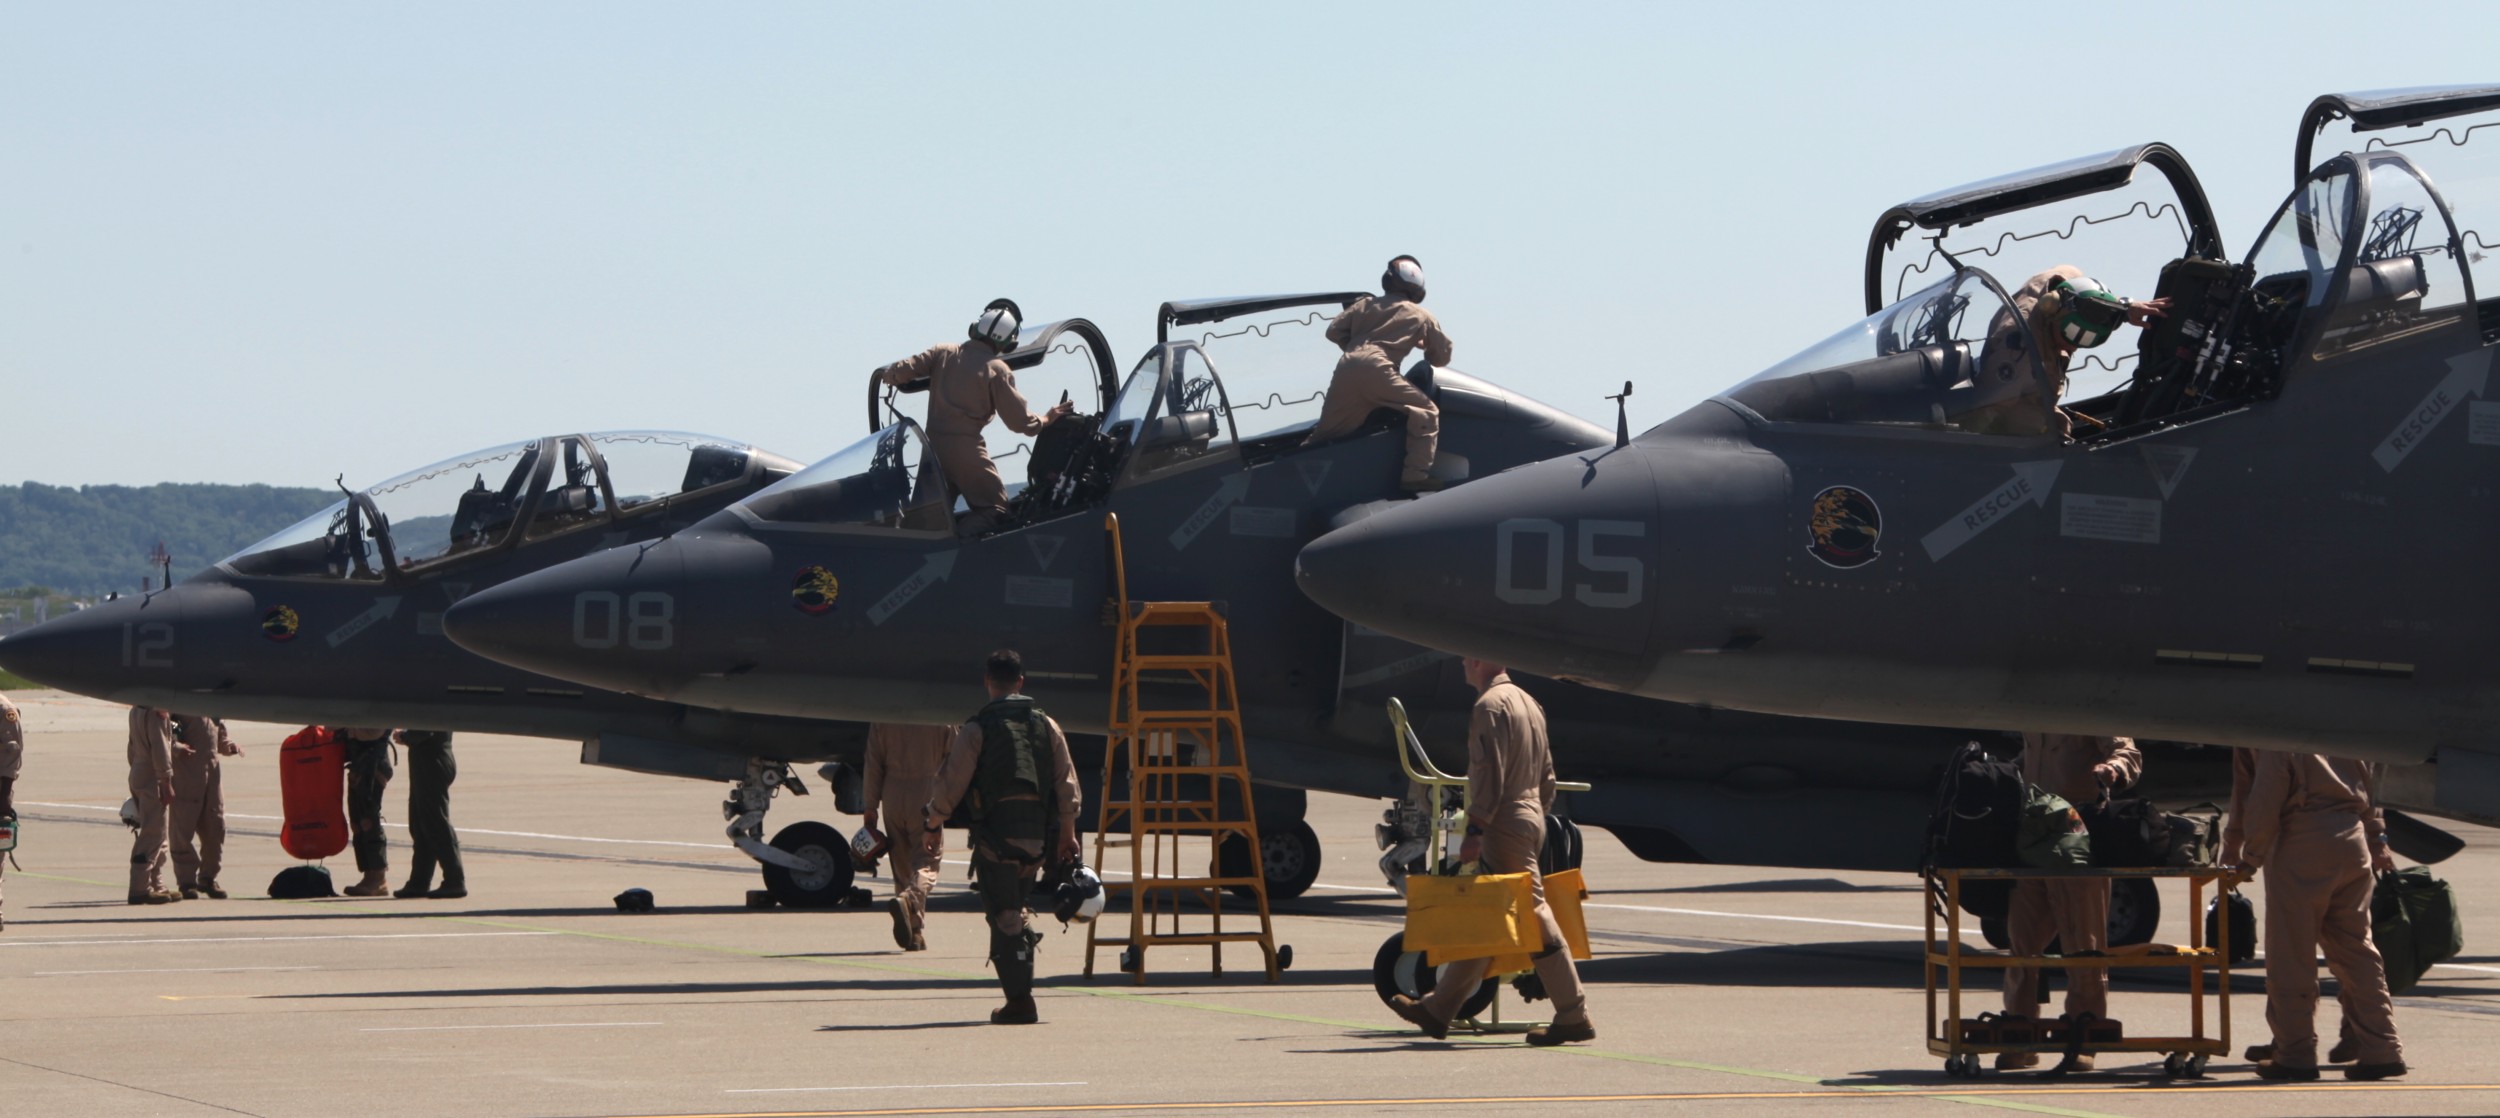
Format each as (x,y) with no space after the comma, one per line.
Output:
(1962,1040)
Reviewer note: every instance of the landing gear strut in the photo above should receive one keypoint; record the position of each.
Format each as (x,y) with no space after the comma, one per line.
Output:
(807,864)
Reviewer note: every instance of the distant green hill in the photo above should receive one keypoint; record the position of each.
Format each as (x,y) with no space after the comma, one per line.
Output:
(97,538)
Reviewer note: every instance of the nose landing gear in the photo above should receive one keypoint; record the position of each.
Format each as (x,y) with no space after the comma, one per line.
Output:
(807,864)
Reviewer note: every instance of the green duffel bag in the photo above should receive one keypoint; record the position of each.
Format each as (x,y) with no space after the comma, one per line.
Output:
(2413,919)
(2050,833)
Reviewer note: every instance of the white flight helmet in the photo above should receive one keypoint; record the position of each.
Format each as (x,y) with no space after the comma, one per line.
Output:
(1403,278)
(998,325)
(1080,897)
(130,814)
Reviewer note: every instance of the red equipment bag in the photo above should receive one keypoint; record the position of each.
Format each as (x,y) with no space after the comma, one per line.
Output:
(312,775)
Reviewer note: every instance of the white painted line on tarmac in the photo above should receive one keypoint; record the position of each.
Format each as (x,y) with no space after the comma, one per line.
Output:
(1760,916)
(896,1087)
(2468,966)
(116,810)
(549,1025)
(163,970)
(259,939)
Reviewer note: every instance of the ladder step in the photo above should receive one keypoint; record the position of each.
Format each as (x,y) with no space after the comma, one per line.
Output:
(1186,940)
(1198,884)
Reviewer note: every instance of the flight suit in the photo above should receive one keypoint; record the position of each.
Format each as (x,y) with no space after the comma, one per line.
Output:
(2075,912)
(431,841)
(899,775)
(368,773)
(1510,788)
(198,819)
(968,386)
(1007,858)
(1376,335)
(2234,844)
(12,759)
(2021,382)
(151,755)
(2309,827)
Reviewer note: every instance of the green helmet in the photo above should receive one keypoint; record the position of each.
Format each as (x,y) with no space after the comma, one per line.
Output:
(2087,312)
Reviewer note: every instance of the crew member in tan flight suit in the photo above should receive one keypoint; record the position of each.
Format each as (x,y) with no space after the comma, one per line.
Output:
(151,754)
(969,384)
(900,774)
(12,759)
(1510,788)
(2234,843)
(1009,768)
(1376,335)
(2073,911)
(2312,829)
(2065,311)
(198,819)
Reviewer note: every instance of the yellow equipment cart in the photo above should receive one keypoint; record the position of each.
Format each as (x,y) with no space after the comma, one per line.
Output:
(1961,1039)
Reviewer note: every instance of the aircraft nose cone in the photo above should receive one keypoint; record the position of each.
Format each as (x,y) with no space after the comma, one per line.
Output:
(111,650)
(606,620)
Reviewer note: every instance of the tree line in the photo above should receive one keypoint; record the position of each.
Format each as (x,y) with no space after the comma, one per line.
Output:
(91,539)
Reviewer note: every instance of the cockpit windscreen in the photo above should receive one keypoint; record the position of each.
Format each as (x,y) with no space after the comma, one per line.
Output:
(885,479)
(1914,363)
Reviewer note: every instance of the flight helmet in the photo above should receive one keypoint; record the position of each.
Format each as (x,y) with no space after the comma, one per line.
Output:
(2087,312)
(866,847)
(1080,896)
(998,325)
(1403,278)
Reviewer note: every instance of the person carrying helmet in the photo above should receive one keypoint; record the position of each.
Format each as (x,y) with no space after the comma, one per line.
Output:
(899,774)
(198,820)
(2080,769)
(1009,768)
(12,760)
(151,756)
(969,384)
(1376,335)
(2063,310)
(1510,790)
(2312,829)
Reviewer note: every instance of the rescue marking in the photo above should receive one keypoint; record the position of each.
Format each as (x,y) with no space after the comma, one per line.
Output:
(1045,549)
(2031,482)
(2468,375)
(933,570)
(1228,494)
(2092,516)
(551,1025)
(2169,464)
(381,610)
(1844,527)
(894,1087)
(1313,473)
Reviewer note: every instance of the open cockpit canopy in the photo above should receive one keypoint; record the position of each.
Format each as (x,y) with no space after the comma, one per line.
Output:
(505,496)
(2451,136)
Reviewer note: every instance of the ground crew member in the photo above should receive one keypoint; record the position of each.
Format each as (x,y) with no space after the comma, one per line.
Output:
(12,758)
(2064,311)
(198,820)
(968,385)
(2310,827)
(1510,789)
(1010,770)
(368,773)
(431,841)
(900,773)
(2073,911)
(2234,842)
(151,753)
(1376,335)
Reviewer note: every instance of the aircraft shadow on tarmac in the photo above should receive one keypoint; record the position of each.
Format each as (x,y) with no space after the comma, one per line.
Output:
(1784,885)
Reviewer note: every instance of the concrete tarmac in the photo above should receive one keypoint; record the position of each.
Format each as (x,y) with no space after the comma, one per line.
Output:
(1716,990)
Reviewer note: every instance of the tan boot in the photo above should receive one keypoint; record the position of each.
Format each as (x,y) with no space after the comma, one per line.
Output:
(372,885)
(1420,1016)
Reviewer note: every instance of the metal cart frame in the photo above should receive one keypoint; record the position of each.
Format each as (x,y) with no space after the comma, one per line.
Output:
(2185,1055)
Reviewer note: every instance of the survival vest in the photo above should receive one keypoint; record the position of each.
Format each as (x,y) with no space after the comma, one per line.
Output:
(1010,801)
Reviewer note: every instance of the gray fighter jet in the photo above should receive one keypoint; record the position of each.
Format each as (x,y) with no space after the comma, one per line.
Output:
(338,621)
(1210,508)
(2271,532)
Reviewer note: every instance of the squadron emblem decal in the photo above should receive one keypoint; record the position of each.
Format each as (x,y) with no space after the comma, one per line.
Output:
(1845,527)
(280,624)
(815,591)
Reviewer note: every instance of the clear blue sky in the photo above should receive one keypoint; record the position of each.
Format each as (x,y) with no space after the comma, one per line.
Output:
(279,242)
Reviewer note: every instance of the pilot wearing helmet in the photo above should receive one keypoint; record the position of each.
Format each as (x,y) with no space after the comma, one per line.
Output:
(2065,310)
(968,385)
(1376,335)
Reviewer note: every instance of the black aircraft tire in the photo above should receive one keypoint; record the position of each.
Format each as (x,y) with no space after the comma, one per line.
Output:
(1395,970)
(2134,911)
(1290,854)
(825,887)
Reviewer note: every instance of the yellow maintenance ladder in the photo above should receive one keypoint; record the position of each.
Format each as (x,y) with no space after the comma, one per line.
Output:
(1176,730)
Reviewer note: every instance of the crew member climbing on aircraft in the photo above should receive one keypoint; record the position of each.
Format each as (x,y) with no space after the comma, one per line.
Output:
(899,774)
(2065,311)
(1009,768)
(2074,911)
(1510,789)
(1376,335)
(2310,827)
(968,385)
